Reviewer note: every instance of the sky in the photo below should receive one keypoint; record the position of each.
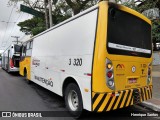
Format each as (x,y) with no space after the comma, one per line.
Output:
(10,17)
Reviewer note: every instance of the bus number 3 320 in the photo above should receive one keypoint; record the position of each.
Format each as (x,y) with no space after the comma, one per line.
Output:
(75,61)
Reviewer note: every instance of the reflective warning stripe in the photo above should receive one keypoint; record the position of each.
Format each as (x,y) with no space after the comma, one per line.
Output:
(120,99)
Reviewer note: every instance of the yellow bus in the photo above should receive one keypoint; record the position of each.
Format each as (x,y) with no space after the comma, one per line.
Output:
(98,60)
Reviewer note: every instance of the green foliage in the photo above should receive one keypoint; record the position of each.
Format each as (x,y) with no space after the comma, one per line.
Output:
(60,13)
(156,30)
(80,5)
(63,9)
(32,26)
(145,5)
(149,4)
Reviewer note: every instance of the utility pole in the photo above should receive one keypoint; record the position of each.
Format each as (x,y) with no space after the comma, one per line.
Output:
(50,13)
(16,38)
(46,13)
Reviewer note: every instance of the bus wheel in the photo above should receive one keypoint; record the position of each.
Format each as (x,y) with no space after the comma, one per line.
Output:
(25,77)
(73,100)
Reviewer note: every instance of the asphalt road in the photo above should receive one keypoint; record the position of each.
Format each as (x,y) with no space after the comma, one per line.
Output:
(17,95)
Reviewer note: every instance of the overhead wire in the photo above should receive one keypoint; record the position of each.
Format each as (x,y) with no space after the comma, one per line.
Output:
(14,26)
(7,25)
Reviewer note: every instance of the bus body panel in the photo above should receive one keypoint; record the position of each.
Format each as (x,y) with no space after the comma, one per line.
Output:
(125,92)
(56,57)
(25,65)
(101,55)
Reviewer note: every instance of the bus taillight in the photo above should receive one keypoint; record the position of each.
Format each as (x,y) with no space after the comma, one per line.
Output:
(109,74)
(11,63)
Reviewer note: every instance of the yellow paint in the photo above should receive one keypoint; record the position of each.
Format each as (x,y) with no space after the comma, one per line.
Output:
(104,103)
(110,105)
(144,93)
(146,89)
(121,75)
(124,99)
(129,97)
(25,64)
(115,107)
(97,101)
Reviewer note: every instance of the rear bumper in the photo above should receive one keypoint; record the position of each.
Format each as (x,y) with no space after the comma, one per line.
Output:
(110,101)
(15,69)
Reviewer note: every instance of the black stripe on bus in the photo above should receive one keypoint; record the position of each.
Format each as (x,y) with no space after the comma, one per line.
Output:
(95,97)
(100,103)
(127,98)
(120,102)
(109,101)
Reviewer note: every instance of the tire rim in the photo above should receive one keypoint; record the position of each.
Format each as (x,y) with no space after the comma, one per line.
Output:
(73,100)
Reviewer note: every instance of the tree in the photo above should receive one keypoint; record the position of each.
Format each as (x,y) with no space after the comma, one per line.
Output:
(79,5)
(149,4)
(145,5)
(63,9)
(155,32)
(32,26)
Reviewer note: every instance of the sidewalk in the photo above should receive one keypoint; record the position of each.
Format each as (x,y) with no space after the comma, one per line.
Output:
(154,103)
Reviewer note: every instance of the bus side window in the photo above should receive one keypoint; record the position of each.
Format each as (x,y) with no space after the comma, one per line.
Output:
(28,50)
(24,51)
(31,44)
(28,45)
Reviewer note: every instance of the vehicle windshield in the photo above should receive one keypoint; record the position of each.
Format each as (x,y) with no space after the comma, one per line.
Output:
(17,48)
(128,34)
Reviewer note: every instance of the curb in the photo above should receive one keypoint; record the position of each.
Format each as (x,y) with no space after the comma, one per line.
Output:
(151,106)
(155,74)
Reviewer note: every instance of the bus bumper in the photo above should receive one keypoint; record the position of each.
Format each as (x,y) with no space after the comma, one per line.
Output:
(102,102)
(14,69)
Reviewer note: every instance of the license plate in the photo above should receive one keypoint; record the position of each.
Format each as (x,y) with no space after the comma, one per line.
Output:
(132,80)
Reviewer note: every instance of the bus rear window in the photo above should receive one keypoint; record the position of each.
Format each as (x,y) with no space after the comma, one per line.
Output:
(17,48)
(128,34)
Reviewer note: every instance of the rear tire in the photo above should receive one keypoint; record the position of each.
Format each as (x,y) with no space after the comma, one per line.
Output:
(73,100)
(25,77)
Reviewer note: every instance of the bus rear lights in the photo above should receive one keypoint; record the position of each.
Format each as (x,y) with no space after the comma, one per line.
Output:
(109,66)
(109,74)
(111,83)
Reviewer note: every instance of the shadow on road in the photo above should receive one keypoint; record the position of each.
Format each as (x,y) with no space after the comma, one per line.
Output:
(15,74)
(52,100)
